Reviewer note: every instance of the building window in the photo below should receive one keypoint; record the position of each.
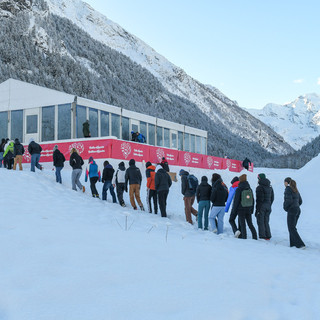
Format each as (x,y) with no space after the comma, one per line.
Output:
(115,125)
(93,120)
(166,138)
(17,124)
(159,136)
(47,123)
(186,142)
(32,124)
(174,140)
(64,121)
(203,145)
(143,130)
(180,140)
(125,128)
(81,116)
(104,123)
(193,142)
(151,134)
(3,125)
(198,144)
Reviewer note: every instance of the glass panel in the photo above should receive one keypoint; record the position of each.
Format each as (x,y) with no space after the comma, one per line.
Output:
(115,125)
(159,137)
(166,138)
(180,140)
(152,137)
(204,145)
(144,130)
(64,121)
(93,120)
(17,124)
(81,116)
(104,123)
(174,142)
(125,129)
(47,123)
(32,124)
(193,143)
(134,127)
(3,125)
(186,142)
(198,144)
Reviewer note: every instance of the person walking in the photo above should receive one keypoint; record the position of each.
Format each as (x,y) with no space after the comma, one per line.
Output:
(243,204)
(162,184)
(58,162)
(93,173)
(264,200)
(118,181)
(189,184)
(151,189)
(203,198)
(219,196)
(18,151)
(245,163)
(2,144)
(35,152)
(107,176)
(164,164)
(133,176)
(291,204)
(76,162)
(86,129)
(9,155)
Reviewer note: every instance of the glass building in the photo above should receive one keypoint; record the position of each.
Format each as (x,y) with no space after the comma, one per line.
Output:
(30,111)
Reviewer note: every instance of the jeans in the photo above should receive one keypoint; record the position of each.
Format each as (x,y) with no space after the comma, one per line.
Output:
(75,179)
(1,158)
(120,190)
(58,174)
(108,185)
(204,205)
(35,158)
(217,212)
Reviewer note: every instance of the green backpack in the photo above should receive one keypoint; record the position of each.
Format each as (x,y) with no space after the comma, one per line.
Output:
(246,198)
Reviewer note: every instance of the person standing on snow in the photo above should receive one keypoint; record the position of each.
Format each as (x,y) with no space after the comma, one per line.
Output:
(264,200)
(245,163)
(93,173)
(35,151)
(58,162)
(151,189)
(76,162)
(118,181)
(203,198)
(291,204)
(164,164)
(8,155)
(2,144)
(107,176)
(18,151)
(162,184)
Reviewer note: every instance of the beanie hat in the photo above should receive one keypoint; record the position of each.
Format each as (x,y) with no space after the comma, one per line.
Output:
(261,176)
(16,140)
(132,162)
(181,172)
(243,178)
(148,164)
(204,179)
(121,164)
(55,147)
(234,180)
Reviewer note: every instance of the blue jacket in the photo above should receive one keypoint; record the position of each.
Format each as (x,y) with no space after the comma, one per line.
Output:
(232,191)
(93,171)
(141,138)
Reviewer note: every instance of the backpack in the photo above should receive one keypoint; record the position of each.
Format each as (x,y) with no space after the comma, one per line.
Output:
(246,198)
(192,182)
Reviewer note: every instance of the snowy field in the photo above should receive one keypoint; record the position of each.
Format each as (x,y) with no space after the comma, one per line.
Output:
(67,256)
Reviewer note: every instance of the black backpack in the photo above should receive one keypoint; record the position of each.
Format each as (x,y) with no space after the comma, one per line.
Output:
(192,182)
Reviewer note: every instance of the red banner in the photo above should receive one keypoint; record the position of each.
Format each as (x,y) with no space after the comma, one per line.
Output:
(212,163)
(126,150)
(157,153)
(188,159)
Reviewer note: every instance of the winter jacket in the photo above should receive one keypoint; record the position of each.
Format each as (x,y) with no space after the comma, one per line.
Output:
(185,190)
(58,158)
(232,191)
(141,138)
(92,171)
(246,162)
(2,147)
(85,129)
(292,200)
(162,180)
(34,148)
(264,195)
(203,191)
(76,161)
(107,173)
(120,175)
(165,165)
(18,149)
(133,175)
(219,194)
(8,153)
(237,207)
(150,174)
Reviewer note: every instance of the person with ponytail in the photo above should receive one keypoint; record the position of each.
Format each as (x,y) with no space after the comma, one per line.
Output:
(291,204)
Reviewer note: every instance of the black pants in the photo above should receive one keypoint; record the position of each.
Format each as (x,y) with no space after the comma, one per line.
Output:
(232,222)
(93,182)
(263,223)
(243,218)
(162,196)
(120,191)
(292,220)
(152,194)
(9,163)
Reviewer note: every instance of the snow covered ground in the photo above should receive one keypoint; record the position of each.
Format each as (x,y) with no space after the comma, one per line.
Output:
(66,255)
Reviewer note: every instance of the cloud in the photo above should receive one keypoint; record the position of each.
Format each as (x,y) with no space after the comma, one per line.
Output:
(318,82)
(298,81)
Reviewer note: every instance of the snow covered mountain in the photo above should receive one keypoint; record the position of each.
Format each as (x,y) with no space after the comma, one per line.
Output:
(297,122)
(158,87)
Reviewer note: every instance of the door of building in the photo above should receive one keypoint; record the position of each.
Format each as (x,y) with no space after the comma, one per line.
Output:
(31,125)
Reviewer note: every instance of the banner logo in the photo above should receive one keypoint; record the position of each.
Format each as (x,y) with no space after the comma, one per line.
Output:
(126,149)
(187,158)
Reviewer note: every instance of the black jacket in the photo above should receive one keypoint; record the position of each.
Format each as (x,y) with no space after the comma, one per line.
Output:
(237,207)
(219,194)
(34,148)
(2,147)
(246,162)
(264,195)
(133,175)
(18,149)
(162,180)
(58,158)
(292,200)
(107,173)
(164,164)
(76,161)
(203,191)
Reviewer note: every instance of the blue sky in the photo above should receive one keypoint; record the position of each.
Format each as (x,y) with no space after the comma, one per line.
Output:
(255,52)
